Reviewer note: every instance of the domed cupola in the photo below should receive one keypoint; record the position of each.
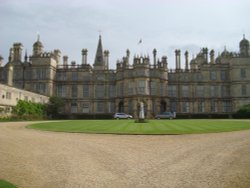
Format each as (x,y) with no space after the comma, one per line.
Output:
(37,47)
(244,47)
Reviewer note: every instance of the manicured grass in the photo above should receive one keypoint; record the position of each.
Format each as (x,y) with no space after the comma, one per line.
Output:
(5,184)
(152,127)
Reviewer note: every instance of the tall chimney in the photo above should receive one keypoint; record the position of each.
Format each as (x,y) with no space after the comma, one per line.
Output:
(106,59)
(186,60)
(65,60)
(178,59)
(212,57)
(84,56)
(154,53)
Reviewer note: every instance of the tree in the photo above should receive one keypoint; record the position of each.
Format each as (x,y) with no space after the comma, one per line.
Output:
(244,111)
(30,110)
(54,105)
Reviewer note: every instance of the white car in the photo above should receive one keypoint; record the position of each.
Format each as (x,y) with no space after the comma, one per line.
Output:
(122,116)
(166,115)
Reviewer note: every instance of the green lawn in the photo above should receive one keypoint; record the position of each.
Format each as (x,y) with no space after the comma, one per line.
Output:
(152,127)
(5,184)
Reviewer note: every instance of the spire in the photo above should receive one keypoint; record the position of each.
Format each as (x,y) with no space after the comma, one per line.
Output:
(99,54)
(26,56)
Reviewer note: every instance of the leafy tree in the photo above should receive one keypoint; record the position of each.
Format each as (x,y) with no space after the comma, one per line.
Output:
(30,109)
(244,111)
(54,105)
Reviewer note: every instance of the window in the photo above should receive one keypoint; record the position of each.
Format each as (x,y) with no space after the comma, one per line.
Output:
(243,90)
(100,91)
(243,73)
(185,107)
(213,91)
(185,91)
(213,75)
(153,88)
(130,88)
(61,91)
(172,91)
(85,107)
(74,91)
(100,107)
(162,93)
(8,95)
(40,73)
(226,106)
(85,90)
(201,106)
(225,91)
(61,76)
(141,87)
(200,91)
(112,91)
(111,107)
(73,107)
(223,75)
(173,106)
(74,76)
(213,106)
(130,106)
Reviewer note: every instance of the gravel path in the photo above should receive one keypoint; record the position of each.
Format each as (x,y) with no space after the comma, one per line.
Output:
(37,159)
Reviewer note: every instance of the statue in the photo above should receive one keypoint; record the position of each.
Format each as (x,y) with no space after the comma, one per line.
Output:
(141,114)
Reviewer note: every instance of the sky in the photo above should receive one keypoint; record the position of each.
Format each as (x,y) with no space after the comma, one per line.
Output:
(71,25)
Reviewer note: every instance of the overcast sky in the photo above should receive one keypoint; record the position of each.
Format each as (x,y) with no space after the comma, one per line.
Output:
(71,25)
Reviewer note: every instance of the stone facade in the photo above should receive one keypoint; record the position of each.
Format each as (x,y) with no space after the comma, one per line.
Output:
(207,84)
(9,97)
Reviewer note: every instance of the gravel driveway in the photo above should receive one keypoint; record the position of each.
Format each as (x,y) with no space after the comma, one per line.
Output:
(37,159)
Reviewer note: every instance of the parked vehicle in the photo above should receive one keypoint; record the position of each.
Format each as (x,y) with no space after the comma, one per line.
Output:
(122,116)
(166,115)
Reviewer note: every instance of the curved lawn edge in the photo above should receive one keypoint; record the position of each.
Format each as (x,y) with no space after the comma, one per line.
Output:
(153,127)
(6,184)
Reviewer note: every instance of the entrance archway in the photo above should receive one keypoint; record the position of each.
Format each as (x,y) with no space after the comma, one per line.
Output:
(121,106)
(163,106)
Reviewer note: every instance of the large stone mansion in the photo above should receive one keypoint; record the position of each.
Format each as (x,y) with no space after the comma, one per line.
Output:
(207,84)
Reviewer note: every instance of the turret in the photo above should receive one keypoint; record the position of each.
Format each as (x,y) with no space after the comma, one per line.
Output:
(17,48)
(244,47)
(84,56)
(37,47)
